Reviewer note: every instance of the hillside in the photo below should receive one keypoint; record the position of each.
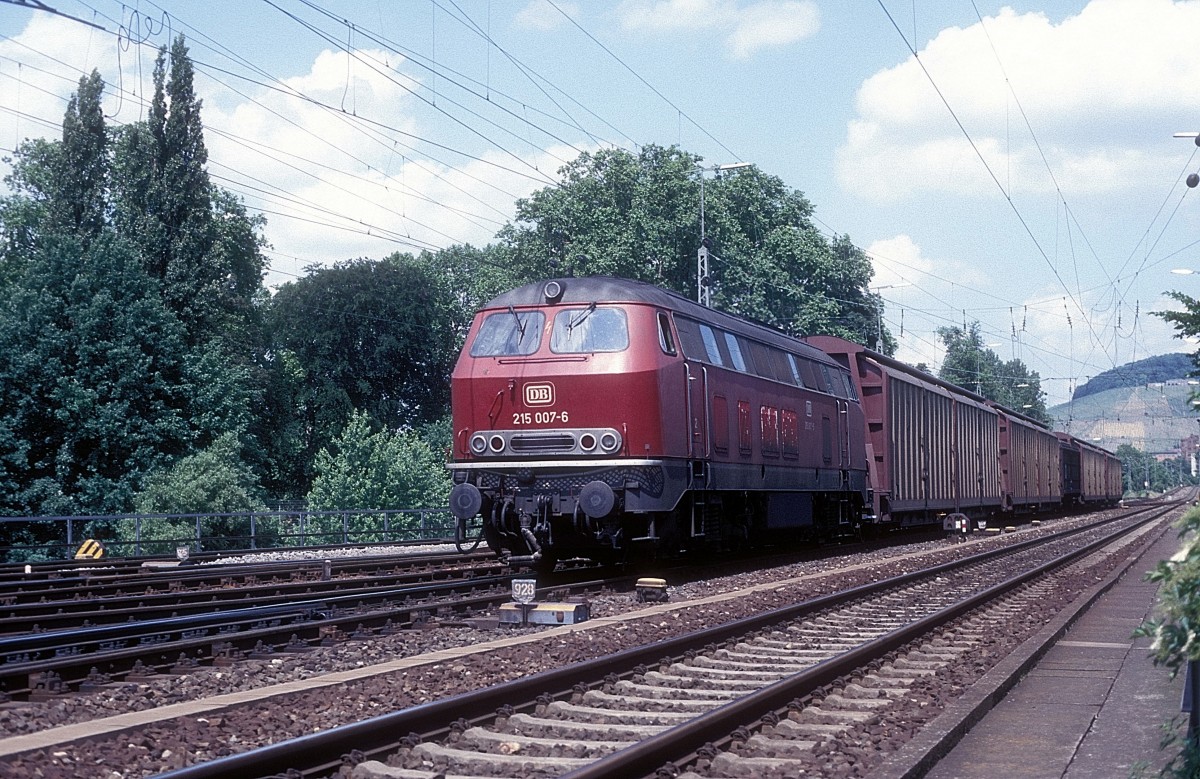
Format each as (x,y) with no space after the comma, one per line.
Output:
(1152,370)
(1152,417)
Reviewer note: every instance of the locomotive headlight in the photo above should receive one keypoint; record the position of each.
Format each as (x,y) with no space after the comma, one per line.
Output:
(497,443)
(587,442)
(478,444)
(609,442)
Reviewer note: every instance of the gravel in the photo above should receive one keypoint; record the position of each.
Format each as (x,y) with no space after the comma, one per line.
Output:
(178,742)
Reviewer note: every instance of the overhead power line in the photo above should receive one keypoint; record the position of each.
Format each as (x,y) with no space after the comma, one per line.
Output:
(991,173)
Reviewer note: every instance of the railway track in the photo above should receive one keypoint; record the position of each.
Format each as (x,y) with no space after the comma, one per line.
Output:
(143,635)
(789,688)
(98,600)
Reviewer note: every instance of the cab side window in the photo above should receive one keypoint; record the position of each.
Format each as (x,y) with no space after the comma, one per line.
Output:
(666,341)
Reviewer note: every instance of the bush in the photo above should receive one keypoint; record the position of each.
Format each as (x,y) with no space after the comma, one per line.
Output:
(1176,630)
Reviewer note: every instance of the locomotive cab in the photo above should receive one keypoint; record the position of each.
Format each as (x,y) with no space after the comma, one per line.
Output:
(558,421)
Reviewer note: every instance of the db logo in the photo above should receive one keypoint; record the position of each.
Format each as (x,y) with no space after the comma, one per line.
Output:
(539,394)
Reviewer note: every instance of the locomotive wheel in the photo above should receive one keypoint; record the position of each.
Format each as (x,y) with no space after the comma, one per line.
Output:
(468,533)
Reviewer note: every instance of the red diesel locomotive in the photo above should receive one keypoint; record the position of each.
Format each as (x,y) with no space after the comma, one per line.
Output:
(600,417)
(596,415)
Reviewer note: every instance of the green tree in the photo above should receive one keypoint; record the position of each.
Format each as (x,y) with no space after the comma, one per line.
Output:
(1143,472)
(378,470)
(92,381)
(80,168)
(377,336)
(637,216)
(193,237)
(970,364)
(472,276)
(58,186)
(214,480)
(1186,324)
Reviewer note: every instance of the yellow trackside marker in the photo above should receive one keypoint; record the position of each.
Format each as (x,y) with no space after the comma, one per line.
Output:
(90,549)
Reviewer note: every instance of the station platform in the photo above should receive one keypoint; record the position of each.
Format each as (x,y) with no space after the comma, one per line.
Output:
(1093,707)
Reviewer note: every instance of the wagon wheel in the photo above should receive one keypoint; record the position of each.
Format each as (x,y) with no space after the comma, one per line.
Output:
(468,533)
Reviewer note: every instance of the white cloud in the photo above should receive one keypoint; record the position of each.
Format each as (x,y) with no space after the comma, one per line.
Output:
(768,24)
(901,277)
(337,182)
(54,53)
(353,188)
(1096,87)
(540,15)
(747,29)
(897,262)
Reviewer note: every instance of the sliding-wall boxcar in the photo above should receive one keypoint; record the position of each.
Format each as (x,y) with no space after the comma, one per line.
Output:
(1090,475)
(1030,463)
(932,448)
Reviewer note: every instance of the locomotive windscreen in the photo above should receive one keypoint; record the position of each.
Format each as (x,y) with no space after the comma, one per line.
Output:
(592,329)
(509,333)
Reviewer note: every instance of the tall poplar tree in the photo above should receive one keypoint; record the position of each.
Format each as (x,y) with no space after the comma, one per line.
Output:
(194,238)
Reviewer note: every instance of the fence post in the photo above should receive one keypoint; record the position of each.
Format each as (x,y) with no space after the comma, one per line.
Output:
(345,528)
(70,537)
(253,540)
(199,548)
(137,536)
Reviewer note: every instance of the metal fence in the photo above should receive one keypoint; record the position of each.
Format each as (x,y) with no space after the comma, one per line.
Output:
(139,535)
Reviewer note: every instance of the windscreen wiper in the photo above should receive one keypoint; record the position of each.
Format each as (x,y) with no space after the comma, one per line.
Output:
(520,324)
(582,316)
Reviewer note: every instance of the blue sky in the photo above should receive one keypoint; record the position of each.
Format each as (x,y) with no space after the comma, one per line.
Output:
(1022,172)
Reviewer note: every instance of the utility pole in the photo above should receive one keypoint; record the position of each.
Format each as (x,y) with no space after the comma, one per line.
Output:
(703,254)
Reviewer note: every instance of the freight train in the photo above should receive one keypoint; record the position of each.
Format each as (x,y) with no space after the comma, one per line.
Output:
(610,419)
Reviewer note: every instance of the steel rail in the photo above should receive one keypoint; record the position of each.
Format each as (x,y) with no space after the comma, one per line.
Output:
(100,580)
(678,743)
(346,613)
(377,736)
(155,642)
(142,607)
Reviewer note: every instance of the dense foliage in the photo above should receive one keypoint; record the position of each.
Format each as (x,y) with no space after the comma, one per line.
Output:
(1163,367)
(1142,472)
(103,381)
(374,336)
(377,470)
(972,366)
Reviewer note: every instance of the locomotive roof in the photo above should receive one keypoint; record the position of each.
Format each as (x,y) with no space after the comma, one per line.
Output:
(583,290)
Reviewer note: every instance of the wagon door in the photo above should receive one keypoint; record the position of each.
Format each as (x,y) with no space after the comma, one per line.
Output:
(696,377)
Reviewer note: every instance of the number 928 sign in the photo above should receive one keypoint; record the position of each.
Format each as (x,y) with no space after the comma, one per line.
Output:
(523,590)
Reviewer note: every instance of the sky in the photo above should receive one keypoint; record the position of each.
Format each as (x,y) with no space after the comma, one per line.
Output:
(1012,164)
